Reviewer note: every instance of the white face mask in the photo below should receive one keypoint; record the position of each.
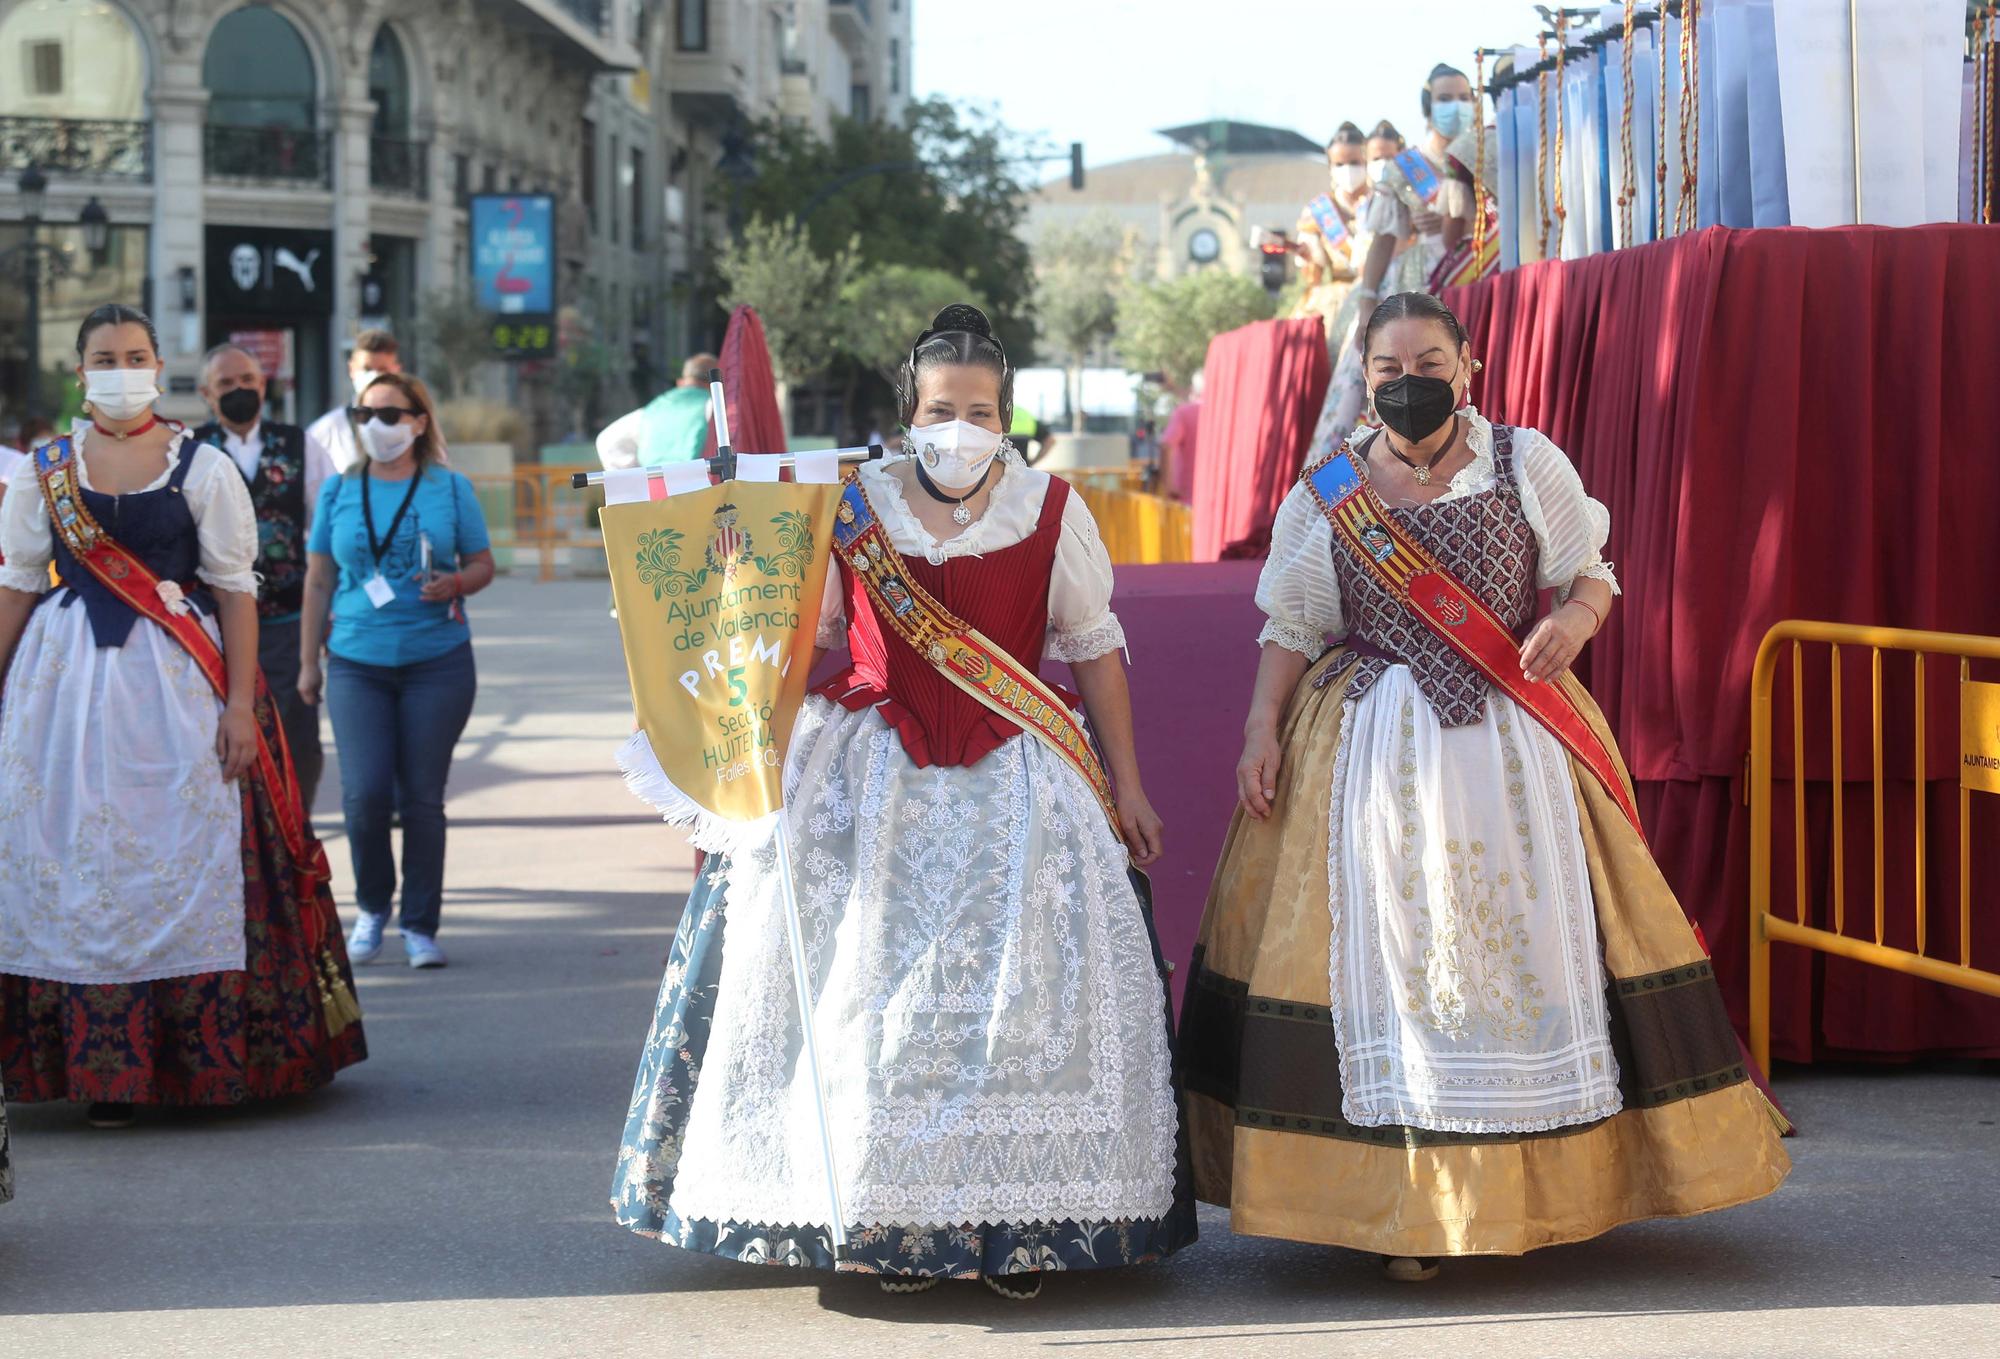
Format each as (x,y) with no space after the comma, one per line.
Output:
(954,453)
(386,443)
(1350,178)
(1378,171)
(121,393)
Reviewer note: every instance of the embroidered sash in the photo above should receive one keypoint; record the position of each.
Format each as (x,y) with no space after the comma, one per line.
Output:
(1419,175)
(958,651)
(1332,228)
(132,581)
(1453,613)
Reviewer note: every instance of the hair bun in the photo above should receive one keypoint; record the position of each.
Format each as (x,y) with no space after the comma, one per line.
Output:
(962,316)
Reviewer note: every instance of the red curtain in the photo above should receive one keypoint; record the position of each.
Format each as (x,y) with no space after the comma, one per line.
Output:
(1263,388)
(750,388)
(1785,424)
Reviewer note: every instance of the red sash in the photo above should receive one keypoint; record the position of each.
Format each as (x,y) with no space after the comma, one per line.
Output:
(1454,614)
(133,582)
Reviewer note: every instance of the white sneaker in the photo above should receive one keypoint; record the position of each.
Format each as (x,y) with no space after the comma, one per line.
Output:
(365,943)
(422,950)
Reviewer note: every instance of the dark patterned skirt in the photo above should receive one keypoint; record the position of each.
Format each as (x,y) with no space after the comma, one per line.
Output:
(208,1039)
(663,1098)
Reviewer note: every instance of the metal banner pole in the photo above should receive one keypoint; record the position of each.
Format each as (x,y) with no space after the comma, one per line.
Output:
(802,981)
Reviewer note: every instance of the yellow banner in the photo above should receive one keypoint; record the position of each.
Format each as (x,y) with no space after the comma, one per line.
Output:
(1979,736)
(718,595)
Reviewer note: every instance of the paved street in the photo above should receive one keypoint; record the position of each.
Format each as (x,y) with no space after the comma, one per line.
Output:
(447,1197)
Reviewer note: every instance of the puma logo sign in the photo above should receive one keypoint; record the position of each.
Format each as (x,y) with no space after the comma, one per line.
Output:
(285,259)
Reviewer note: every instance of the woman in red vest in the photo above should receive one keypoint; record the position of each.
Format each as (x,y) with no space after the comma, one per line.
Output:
(991,1011)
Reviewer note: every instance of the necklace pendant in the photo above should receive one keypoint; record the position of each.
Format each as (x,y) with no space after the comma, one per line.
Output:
(1422,474)
(934,554)
(961,515)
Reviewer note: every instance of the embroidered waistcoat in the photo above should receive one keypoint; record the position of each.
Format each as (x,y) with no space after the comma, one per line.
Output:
(155,526)
(278,492)
(1486,541)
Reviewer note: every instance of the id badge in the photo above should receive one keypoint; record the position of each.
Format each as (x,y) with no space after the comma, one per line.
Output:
(380,592)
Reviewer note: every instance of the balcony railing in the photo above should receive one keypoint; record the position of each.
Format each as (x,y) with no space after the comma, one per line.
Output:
(269,155)
(399,167)
(96,148)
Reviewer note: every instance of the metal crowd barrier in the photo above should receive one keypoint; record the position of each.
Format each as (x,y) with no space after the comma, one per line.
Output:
(1979,743)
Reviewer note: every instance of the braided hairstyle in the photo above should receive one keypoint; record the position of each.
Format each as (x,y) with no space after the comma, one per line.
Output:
(1410,307)
(114,314)
(959,336)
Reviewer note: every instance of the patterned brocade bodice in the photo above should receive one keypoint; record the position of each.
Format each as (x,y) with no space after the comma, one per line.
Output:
(1487,542)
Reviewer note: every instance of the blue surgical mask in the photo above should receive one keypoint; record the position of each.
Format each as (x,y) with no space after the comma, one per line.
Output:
(1451,117)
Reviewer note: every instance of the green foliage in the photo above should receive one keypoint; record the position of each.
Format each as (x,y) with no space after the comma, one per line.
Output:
(1166,327)
(454,337)
(1079,271)
(884,309)
(774,267)
(943,190)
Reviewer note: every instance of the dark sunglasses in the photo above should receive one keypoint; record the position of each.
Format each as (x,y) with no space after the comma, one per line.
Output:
(388,415)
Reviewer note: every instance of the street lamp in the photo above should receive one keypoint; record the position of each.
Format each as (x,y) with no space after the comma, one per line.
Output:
(31,260)
(96,223)
(33,186)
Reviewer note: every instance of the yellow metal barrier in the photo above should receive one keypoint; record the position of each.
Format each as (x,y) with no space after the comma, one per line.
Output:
(1140,529)
(1768,927)
(547,514)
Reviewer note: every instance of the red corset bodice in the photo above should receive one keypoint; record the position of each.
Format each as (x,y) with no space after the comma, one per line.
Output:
(1004,594)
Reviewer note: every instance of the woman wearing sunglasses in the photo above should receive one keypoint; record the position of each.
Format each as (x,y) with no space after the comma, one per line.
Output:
(397,543)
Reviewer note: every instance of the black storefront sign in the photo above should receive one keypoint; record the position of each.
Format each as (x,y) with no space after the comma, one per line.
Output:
(269,271)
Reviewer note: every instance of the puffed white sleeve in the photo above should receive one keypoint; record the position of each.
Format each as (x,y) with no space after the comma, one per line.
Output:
(1298,592)
(1385,214)
(25,539)
(1081,624)
(831,632)
(224,520)
(618,445)
(1570,528)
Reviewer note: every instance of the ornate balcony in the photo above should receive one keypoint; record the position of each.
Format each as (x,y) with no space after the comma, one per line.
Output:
(87,148)
(399,167)
(268,155)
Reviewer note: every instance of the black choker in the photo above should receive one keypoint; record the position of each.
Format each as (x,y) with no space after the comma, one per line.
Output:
(959,515)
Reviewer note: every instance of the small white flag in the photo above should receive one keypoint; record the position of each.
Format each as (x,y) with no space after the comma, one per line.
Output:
(757,466)
(820,467)
(682,477)
(625,486)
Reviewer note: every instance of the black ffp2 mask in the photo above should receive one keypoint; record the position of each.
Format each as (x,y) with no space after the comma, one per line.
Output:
(240,405)
(1415,406)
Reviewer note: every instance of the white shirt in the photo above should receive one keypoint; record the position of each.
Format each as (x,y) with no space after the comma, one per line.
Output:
(618,445)
(246,449)
(1300,594)
(10,458)
(334,433)
(1082,626)
(225,522)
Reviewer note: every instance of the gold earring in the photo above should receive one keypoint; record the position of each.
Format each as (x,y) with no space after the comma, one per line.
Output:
(1477,366)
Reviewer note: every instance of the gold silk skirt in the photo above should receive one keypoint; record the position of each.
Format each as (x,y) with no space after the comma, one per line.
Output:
(1262,1066)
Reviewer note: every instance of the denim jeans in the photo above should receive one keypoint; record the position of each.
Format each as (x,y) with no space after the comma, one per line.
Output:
(394,728)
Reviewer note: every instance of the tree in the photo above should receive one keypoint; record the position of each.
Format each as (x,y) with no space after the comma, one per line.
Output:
(942,190)
(454,338)
(886,308)
(1165,327)
(773,267)
(1078,274)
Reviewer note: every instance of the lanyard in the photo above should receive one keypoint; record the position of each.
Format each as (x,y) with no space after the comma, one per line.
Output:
(380,545)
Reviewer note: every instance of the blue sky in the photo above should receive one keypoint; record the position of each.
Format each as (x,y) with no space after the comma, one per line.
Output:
(1109,73)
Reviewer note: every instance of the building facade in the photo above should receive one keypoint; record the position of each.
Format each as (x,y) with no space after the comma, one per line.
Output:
(288,172)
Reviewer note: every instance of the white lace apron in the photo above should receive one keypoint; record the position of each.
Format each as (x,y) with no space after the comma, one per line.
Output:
(989,1017)
(1467,980)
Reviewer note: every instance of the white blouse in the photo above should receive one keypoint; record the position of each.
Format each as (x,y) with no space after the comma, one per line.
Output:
(225,521)
(1300,595)
(1081,624)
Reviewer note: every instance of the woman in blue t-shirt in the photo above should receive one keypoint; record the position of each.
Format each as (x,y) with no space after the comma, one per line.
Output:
(397,543)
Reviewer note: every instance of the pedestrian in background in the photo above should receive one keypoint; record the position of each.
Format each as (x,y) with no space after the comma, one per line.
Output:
(396,546)
(375,352)
(284,467)
(672,427)
(1177,445)
(162,939)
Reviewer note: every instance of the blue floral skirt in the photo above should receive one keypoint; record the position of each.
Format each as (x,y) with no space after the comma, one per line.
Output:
(663,1097)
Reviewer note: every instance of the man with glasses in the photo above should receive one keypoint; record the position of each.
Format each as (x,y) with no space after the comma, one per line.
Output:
(285,467)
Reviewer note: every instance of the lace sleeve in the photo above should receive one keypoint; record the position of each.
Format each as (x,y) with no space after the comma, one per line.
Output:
(25,538)
(1570,528)
(224,520)
(1081,624)
(1298,591)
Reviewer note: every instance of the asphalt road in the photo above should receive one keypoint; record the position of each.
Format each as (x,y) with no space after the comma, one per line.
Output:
(447,1197)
